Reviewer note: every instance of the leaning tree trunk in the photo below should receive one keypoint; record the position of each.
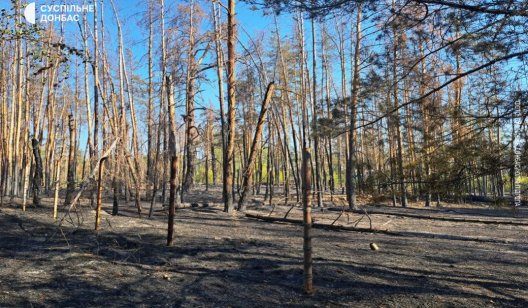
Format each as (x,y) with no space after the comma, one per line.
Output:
(248,173)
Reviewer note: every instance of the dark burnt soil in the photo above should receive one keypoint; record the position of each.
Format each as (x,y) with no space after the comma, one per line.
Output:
(234,261)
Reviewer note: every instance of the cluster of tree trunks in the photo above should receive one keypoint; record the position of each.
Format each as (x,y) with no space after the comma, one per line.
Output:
(420,111)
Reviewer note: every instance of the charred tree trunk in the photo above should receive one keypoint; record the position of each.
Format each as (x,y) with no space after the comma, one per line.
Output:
(172,199)
(307,219)
(231,79)
(115,186)
(37,175)
(190,130)
(99,193)
(71,161)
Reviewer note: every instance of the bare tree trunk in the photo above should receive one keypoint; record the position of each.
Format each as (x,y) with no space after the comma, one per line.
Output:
(190,130)
(58,169)
(150,103)
(326,71)
(115,192)
(172,199)
(220,77)
(135,169)
(350,177)
(172,115)
(71,161)
(37,175)
(209,148)
(340,25)
(426,134)
(248,173)
(315,136)
(174,159)
(210,139)
(307,220)
(163,118)
(294,159)
(26,153)
(95,88)
(96,82)
(57,188)
(99,193)
(18,124)
(3,121)
(399,153)
(86,86)
(231,79)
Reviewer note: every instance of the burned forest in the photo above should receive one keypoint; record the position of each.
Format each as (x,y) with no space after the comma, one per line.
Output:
(264,153)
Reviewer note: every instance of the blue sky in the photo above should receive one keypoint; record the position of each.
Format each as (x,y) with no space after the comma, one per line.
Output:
(135,37)
(252,23)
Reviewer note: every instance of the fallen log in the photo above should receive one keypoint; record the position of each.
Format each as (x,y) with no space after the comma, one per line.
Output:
(387,232)
(444,218)
(319,225)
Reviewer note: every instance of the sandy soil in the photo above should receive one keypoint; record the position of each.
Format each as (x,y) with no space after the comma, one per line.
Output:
(234,261)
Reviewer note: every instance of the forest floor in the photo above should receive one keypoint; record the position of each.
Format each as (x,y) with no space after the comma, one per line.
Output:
(236,261)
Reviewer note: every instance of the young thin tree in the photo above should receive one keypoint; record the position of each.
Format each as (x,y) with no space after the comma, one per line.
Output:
(221,98)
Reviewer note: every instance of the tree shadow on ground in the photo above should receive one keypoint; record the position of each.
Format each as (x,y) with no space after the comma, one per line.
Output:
(79,267)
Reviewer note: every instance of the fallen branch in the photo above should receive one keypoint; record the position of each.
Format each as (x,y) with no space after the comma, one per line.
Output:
(288,212)
(84,184)
(368,216)
(387,222)
(339,216)
(273,209)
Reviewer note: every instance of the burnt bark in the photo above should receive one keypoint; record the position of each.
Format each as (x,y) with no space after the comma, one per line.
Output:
(172,200)
(307,221)
(37,173)
(71,161)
